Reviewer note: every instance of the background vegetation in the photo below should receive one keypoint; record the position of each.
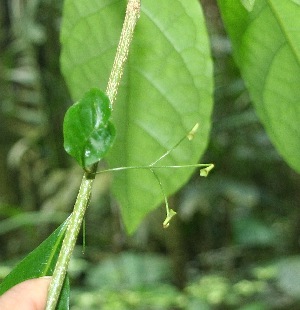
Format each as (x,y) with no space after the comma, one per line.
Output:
(235,241)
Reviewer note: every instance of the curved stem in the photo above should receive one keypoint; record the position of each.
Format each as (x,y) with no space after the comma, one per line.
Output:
(82,201)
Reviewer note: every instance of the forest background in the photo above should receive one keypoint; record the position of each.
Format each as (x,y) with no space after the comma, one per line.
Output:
(235,241)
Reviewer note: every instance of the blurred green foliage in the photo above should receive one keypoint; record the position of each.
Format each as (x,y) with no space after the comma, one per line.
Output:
(235,242)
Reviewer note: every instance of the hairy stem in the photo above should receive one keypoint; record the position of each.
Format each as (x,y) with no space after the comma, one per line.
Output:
(84,194)
(69,241)
(131,18)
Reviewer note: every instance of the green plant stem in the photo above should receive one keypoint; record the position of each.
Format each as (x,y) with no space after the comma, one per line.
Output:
(81,204)
(131,18)
(69,241)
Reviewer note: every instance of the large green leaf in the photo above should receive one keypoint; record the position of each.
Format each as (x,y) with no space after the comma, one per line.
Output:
(266,45)
(166,89)
(40,262)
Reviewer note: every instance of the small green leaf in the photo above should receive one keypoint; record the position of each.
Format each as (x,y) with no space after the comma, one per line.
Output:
(40,262)
(88,133)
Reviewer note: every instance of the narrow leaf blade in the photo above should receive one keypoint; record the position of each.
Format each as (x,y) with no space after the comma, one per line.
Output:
(40,262)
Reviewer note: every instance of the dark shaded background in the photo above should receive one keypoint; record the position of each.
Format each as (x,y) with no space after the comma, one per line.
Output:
(235,241)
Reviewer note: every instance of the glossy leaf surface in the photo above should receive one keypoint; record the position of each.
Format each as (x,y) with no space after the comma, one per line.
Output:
(166,89)
(88,133)
(266,45)
(40,262)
